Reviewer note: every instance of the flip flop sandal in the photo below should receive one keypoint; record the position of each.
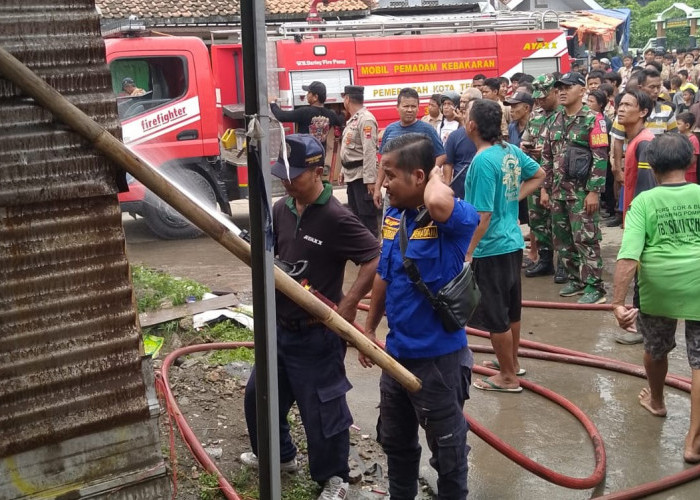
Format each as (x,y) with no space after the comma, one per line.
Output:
(490,386)
(496,366)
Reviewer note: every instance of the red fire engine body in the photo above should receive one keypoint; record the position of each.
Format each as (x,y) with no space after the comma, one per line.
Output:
(431,64)
(187,98)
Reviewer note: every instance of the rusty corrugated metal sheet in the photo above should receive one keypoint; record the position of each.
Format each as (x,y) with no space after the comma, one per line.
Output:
(70,363)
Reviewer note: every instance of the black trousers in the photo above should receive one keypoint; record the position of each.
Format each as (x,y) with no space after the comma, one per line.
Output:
(437,408)
(310,372)
(361,203)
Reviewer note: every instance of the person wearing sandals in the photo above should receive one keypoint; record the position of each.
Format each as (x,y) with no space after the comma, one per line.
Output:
(499,177)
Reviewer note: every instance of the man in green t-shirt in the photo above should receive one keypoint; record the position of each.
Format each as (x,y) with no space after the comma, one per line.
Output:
(662,242)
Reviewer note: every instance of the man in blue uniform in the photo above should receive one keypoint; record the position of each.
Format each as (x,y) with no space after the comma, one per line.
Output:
(310,224)
(417,339)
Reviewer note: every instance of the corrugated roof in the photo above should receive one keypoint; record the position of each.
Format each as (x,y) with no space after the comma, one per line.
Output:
(168,9)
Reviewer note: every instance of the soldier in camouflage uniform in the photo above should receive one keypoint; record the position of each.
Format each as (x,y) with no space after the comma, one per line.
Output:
(532,143)
(575,202)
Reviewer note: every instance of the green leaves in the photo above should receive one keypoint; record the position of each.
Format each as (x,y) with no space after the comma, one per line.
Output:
(155,289)
(642,27)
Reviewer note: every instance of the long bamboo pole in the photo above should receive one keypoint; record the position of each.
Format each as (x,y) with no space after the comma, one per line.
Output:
(15,71)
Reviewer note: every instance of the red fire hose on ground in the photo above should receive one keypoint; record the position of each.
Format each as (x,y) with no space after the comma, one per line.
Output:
(530,349)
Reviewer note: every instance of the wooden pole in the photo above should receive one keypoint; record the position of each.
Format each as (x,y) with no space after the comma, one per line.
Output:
(216,227)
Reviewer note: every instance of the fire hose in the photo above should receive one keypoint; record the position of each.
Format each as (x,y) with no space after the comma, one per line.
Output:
(222,231)
(530,349)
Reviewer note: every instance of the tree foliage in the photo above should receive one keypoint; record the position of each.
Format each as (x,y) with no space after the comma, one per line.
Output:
(642,27)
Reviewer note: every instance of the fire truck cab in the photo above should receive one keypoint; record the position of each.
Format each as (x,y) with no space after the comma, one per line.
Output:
(172,121)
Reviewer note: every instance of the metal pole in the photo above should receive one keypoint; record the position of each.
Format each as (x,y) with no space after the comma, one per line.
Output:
(253,39)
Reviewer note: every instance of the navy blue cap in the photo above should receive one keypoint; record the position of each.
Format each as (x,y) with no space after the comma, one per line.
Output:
(304,151)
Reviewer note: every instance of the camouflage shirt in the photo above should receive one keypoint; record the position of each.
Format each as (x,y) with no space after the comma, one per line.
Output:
(586,128)
(536,126)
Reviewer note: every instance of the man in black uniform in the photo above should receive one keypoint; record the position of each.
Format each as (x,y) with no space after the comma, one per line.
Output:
(310,224)
(314,119)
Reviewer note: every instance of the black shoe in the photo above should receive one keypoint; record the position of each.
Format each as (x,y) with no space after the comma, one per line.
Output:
(560,276)
(608,216)
(615,222)
(543,267)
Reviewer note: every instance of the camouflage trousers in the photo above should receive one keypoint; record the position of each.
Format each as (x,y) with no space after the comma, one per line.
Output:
(540,222)
(577,239)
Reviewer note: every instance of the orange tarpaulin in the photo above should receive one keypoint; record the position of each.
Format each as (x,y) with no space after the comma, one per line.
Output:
(589,24)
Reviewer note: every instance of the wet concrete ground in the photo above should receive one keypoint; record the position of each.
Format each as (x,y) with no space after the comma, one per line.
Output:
(640,447)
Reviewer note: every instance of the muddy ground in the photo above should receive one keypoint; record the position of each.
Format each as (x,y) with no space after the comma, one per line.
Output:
(211,398)
(639,447)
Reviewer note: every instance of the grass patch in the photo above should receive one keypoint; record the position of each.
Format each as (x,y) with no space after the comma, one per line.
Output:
(245,482)
(297,486)
(163,329)
(300,486)
(229,331)
(154,288)
(209,487)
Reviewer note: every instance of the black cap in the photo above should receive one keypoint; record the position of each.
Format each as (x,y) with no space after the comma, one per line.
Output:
(317,88)
(571,79)
(127,81)
(519,97)
(357,90)
(304,151)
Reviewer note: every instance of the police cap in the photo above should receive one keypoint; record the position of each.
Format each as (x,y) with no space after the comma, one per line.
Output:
(354,90)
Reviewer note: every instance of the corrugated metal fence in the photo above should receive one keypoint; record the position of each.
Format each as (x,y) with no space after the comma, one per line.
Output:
(74,414)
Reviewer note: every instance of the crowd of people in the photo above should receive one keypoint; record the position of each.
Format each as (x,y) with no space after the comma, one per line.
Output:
(557,152)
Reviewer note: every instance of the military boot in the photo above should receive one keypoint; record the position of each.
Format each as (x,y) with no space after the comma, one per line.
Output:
(560,277)
(544,266)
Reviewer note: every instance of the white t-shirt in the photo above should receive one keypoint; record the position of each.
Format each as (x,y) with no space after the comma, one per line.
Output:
(445,128)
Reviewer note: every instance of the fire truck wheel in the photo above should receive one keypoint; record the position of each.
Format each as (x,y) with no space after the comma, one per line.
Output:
(166,222)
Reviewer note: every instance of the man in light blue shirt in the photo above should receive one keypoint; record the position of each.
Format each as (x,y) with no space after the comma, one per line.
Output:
(407,105)
(499,176)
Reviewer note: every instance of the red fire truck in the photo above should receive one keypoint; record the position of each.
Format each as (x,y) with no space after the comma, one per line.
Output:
(187,97)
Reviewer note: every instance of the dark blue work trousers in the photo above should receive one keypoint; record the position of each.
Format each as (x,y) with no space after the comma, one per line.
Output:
(437,408)
(311,372)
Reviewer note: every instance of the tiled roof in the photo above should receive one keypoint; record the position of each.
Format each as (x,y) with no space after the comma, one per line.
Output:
(302,6)
(151,9)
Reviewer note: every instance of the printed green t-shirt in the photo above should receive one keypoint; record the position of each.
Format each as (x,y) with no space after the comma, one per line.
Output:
(662,232)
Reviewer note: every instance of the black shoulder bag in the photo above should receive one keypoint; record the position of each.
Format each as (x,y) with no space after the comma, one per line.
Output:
(577,159)
(456,301)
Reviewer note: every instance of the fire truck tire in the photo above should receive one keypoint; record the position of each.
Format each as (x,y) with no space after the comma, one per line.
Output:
(166,222)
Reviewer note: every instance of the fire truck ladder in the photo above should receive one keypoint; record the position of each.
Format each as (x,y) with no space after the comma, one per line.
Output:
(388,25)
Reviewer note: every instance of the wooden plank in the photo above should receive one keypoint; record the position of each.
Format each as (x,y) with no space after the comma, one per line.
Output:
(164,315)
